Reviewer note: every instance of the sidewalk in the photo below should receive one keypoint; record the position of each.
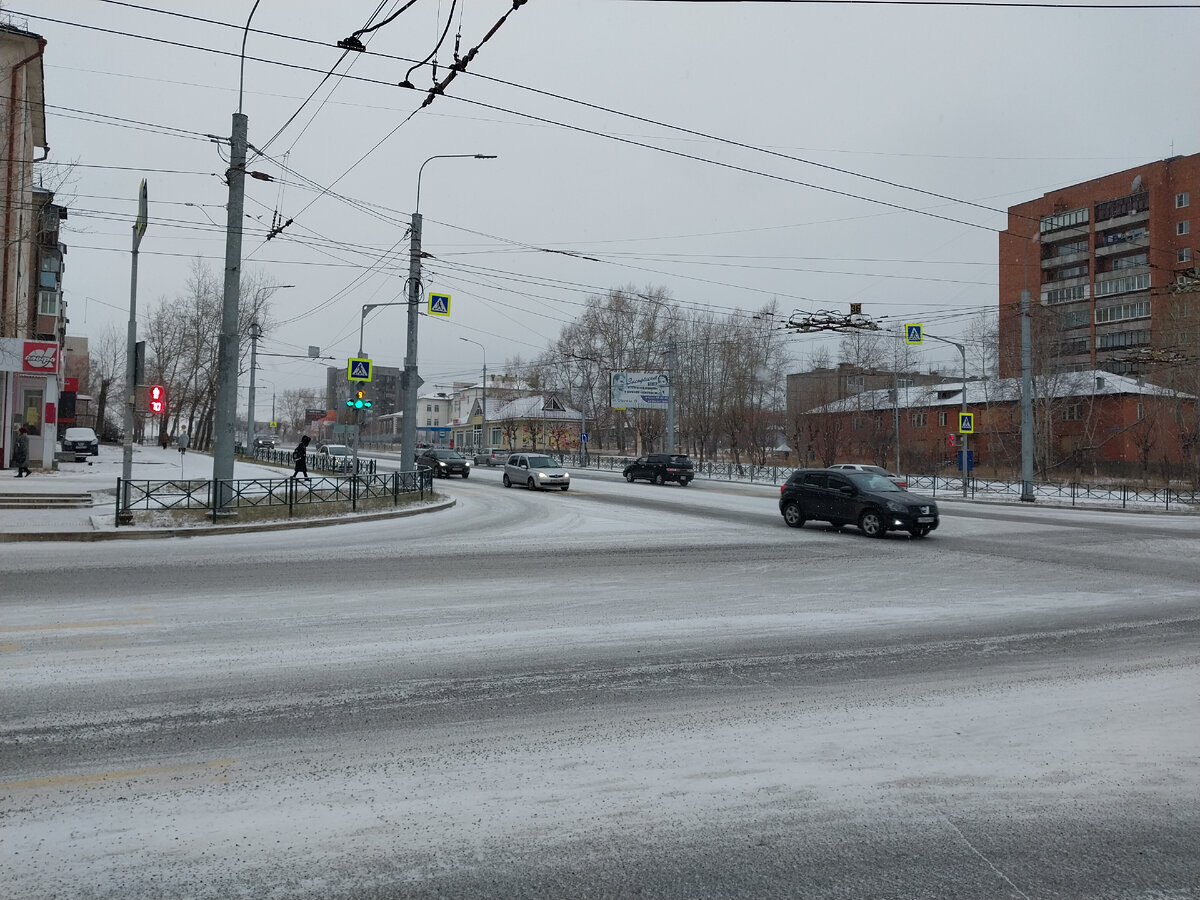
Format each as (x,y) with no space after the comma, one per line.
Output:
(98,478)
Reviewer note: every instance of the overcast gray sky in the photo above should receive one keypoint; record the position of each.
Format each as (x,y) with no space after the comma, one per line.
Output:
(989,105)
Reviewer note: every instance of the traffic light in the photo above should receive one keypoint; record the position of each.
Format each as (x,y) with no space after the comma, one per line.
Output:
(359,401)
(950,439)
(158,400)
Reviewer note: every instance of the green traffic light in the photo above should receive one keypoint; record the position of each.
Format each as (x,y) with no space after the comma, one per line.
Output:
(349,402)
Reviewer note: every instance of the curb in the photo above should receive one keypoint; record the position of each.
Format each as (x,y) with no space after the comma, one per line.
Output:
(132,533)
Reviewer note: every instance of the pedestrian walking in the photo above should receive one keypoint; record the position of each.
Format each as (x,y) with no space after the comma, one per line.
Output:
(300,458)
(21,453)
(182,442)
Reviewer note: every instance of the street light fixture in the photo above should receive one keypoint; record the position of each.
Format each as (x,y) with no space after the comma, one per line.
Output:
(411,382)
(255,334)
(965,458)
(484,442)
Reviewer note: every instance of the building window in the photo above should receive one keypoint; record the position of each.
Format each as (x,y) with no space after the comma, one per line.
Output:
(428,407)
(1077,318)
(1070,248)
(1137,309)
(919,420)
(436,423)
(1067,294)
(943,418)
(1071,272)
(1072,412)
(1184,254)
(1123,206)
(1131,262)
(1184,227)
(1119,339)
(48,303)
(1181,200)
(904,382)
(1139,403)
(1123,285)
(1064,220)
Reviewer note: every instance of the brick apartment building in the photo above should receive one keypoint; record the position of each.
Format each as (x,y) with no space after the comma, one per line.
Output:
(1111,269)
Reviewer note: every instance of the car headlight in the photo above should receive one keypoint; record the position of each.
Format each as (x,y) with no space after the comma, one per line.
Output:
(896,507)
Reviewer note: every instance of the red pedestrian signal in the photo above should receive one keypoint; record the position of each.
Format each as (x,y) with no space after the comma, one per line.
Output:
(950,439)
(158,400)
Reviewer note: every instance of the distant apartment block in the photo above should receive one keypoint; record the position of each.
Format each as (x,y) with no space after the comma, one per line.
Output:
(1111,269)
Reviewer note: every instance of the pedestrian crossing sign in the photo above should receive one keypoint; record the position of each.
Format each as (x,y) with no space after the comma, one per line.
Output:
(966,423)
(358,370)
(439,305)
(913,334)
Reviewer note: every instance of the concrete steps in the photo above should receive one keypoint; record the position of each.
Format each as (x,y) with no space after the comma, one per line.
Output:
(34,500)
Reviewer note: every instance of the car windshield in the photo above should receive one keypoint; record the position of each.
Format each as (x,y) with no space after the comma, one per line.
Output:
(868,481)
(542,462)
(80,434)
(445,454)
(337,450)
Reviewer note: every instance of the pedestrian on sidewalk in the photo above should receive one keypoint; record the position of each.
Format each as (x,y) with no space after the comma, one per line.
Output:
(182,442)
(21,452)
(300,457)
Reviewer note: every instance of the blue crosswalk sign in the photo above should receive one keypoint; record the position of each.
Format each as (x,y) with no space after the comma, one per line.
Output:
(966,423)
(439,304)
(358,369)
(913,334)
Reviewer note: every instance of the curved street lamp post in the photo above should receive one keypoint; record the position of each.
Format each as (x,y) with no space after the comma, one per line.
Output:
(410,381)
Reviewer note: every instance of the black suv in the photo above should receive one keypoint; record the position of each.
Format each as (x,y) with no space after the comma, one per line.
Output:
(660,468)
(872,502)
(445,462)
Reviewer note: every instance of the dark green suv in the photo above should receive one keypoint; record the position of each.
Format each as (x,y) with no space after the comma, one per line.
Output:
(872,502)
(661,468)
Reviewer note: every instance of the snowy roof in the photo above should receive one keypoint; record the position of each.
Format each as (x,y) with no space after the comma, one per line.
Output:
(535,407)
(1089,383)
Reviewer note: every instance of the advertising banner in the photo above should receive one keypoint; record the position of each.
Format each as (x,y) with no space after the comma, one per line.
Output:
(640,390)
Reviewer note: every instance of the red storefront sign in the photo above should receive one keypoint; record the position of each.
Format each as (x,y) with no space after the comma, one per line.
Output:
(39,357)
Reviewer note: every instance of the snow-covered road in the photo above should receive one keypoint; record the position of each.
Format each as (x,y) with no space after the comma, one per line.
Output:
(623,690)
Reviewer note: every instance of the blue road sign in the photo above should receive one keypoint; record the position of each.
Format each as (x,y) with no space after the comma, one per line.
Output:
(439,304)
(913,334)
(966,423)
(583,438)
(970,460)
(358,370)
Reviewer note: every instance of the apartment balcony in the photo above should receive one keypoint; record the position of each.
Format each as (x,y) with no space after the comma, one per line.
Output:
(1124,246)
(1122,210)
(1058,262)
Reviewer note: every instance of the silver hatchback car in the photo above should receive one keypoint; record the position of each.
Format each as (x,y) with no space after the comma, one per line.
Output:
(536,471)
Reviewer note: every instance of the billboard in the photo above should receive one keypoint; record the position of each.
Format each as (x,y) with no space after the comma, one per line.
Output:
(640,390)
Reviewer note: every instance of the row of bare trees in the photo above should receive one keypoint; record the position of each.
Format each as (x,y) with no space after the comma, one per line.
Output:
(729,372)
(181,335)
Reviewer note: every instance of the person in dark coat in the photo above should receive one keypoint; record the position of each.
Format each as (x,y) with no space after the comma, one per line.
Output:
(300,457)
(20,455)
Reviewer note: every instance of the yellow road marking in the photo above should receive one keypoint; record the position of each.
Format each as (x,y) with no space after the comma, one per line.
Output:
(101,777)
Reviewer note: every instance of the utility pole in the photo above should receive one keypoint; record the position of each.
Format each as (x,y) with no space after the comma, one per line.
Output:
(410,381)
(1026,402)
(255,332)
(125,515)
(670,448)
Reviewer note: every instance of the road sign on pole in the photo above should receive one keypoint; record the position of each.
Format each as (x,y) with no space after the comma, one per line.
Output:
(439,305)
(966,423)
(913,334)
(358,370)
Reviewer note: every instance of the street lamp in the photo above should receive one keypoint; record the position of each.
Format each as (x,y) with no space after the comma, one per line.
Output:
(411,381)
(484,442)
(255,334)
(225,414)
(965,458)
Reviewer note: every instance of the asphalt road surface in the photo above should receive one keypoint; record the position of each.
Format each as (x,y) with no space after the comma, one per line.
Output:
(617,691)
